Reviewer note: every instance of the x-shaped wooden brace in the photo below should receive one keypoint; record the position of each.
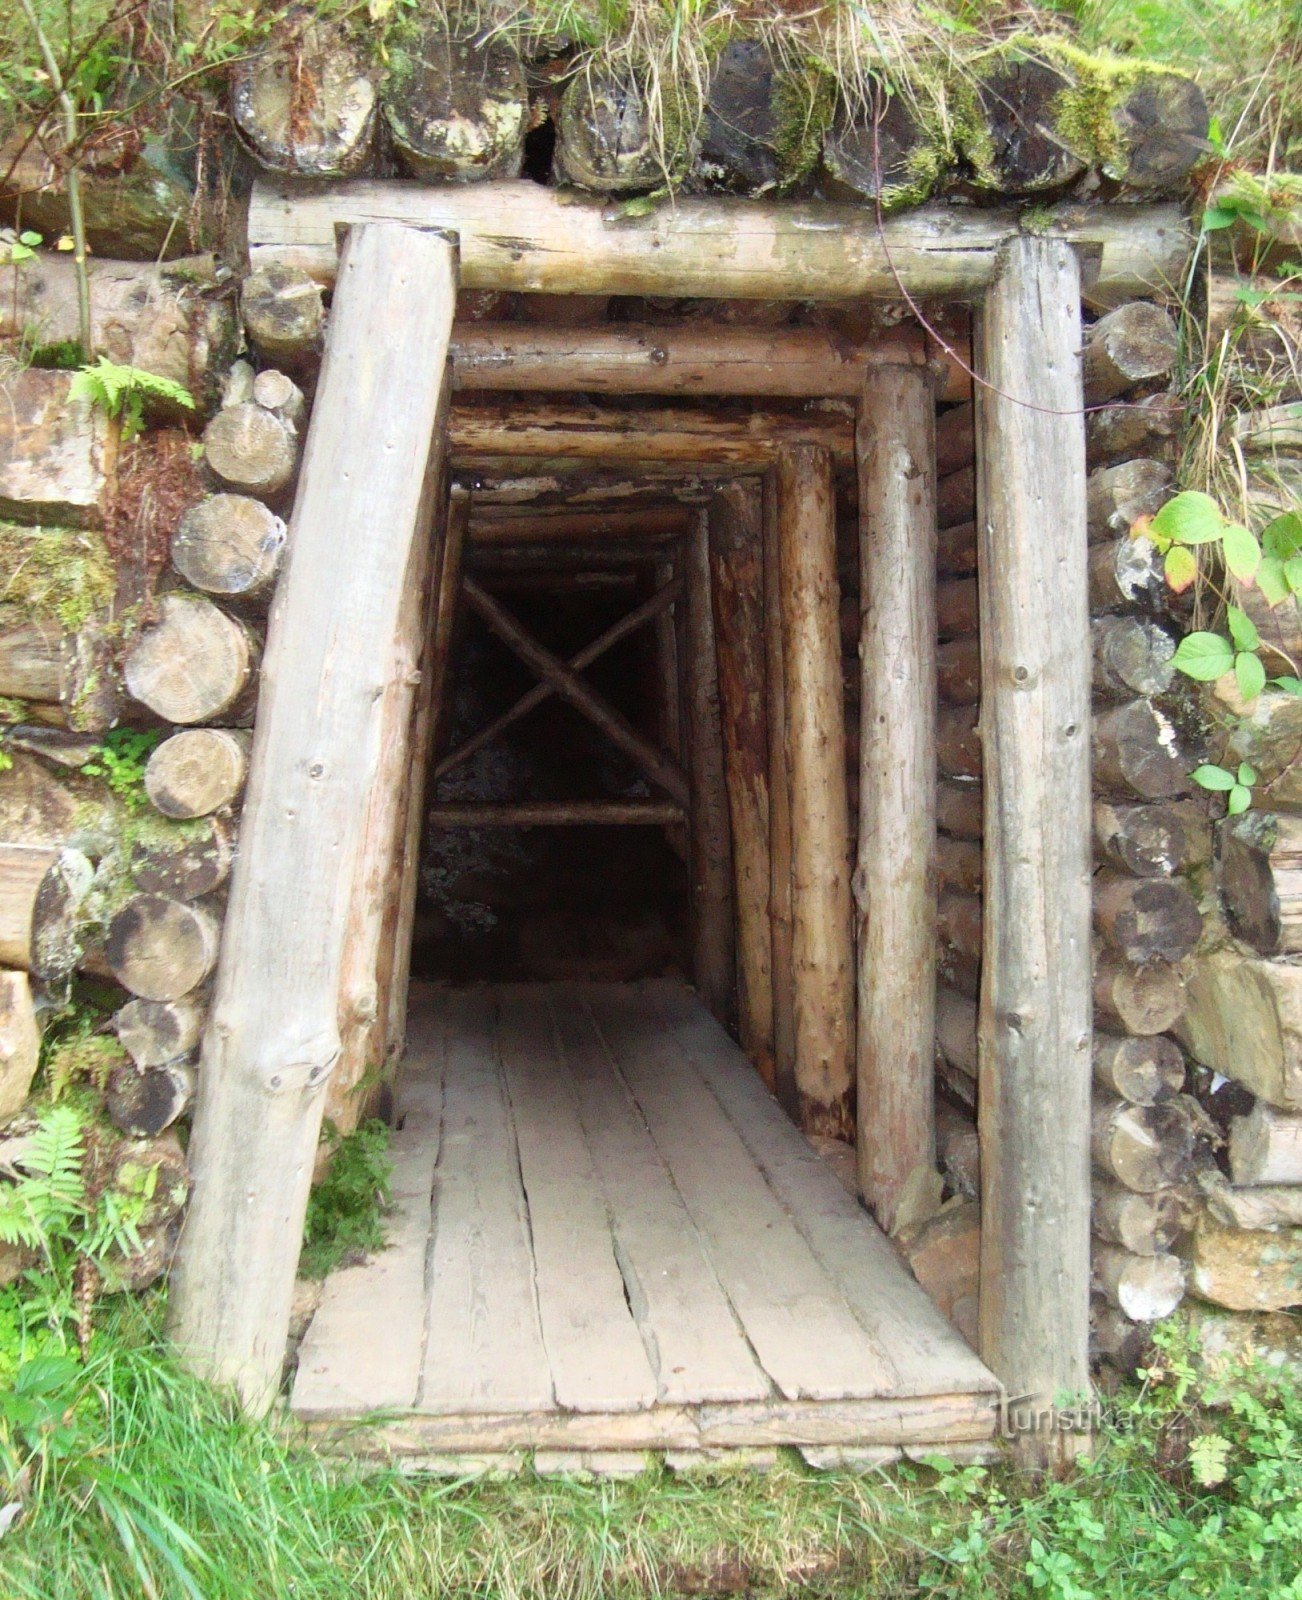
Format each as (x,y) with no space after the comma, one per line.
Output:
(562,678)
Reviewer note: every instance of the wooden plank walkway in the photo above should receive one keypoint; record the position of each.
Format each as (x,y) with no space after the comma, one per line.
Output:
(609,1239)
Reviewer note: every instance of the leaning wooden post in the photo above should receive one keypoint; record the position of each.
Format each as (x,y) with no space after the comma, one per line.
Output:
(1034,1036)
(823,981)
(895,880)
(784,1025)
(737,569)
(368,489)
(711,854)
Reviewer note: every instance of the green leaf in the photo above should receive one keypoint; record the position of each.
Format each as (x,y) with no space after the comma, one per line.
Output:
(1293,573)
(1242,552)
(1271,581)
(1288,683)
(1247,776)
(1249,674)
(1242,629)
(1190,518)
(1283,536)
(1215,217)
(1239,799)
(1214,778)
(1180,567)
(1204,656)
(28,237)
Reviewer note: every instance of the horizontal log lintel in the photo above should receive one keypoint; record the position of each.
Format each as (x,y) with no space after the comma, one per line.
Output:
(559,814)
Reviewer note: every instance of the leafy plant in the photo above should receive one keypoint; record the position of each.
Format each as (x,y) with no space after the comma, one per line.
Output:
(1236,786)
(120,759)
(345,1215)
(124,391)
(20,248)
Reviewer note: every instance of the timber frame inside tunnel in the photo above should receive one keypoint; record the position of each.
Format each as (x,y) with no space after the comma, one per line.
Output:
(344,727)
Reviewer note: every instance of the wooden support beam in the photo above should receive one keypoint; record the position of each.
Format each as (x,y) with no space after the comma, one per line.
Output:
(274,1036)
(519,236)
(524,526)
(823,981)
(1035,718)
(737,569)
(784,1024)
(659,767)
(653,607)
(710,844)
(558,814)
(690,359)
(895,880)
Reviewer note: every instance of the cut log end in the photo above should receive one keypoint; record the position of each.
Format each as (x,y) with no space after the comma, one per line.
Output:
(456,109)
(192,664)
(161,949)
(197,772)
(229,544)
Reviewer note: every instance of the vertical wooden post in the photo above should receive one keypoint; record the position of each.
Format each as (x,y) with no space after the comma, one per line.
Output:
(367,489)
(895,881)
(823,982)
(711,855)
(1034,1034)
(737,569)
(784,1024)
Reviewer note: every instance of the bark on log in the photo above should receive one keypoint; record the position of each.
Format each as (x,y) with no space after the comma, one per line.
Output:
(1139,1000)
(786,251)
(820,881)
(229,544)
(958,741)
(1136,343)
(882,153)
(284,317)
(713,924)
(895,881)
(958,930)
(606,136)
(958,808)
(1014,143)
(1143,1288)
(156,1032)
(1136,752)
(1118,496)
(1152,841)
(144,1104)
(1244,1020)
(780,916)
(1266,1147)
(1259,868)
(40,893)
(305,105)
(1144,1148)
(1126,572)
(1245,1271)
(956,608)
(161,949)
(958,666)
(1148,428)
(1146,919)
(197,772)
(1143,1070)
(20,1042)
(737,571)
(455,108)
(182,861)
(1132,656)
(1143,1224)
(191,665)
(262,1086)
(250,451)
(956,1030)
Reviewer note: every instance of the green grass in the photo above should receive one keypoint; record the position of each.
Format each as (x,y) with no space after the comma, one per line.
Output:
(155,1488)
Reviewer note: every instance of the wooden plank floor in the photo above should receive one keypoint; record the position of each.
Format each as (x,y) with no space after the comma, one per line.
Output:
(608,1239)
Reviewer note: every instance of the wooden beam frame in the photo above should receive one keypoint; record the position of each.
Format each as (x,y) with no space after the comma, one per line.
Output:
(520,236)
(273,1038)
(1035,1023)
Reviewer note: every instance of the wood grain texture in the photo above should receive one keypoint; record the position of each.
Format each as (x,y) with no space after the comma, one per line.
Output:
(784,1025)
(1035,1024)
(273,1038)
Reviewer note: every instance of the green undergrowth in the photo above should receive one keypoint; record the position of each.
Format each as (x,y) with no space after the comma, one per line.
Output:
(137,1480)
(60,574)
(346,1210)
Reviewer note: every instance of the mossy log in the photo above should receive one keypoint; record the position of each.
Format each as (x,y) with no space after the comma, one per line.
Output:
(1116,497)
(192,664)
(1143,1224)
(156,1032)
(763,121)
(1135,344)
(20,1042)
(41,890)
(1156,129)
(1266,1147)
(1143,1070)
(1139,1000)
(306,105)
(1137,752)
(1259,867)
(1146,919)
(284,317)
(138,1270)
(230,545)
(1244,1020)
(1144,1288)
(1145,1148)
(145,1103)
(1131,656)
(1011,133)
(56,453)
(249,450)
(161,949)
(455,108)
(607,136)
(883,153)
(154,1169)
(57,810)
(197,771)
(1258,1271)
(1151,841)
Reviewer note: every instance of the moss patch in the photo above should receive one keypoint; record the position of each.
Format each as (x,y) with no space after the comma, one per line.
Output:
(57,573)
